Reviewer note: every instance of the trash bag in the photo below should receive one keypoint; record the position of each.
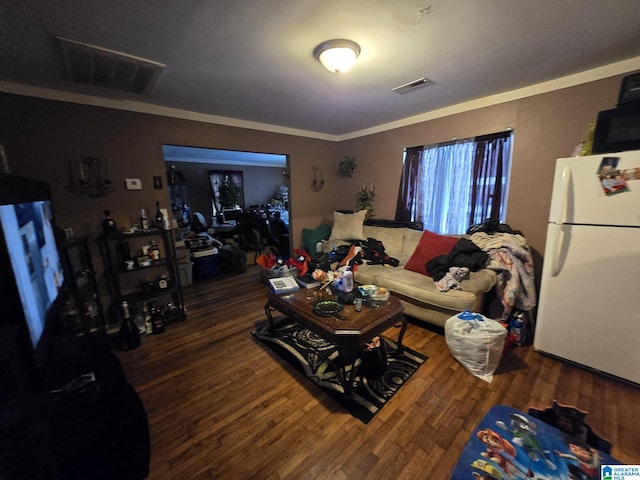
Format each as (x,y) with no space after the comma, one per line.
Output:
(476,342)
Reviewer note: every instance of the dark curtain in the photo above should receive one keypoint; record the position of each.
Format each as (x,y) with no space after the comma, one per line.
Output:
(491,155)
(409,185)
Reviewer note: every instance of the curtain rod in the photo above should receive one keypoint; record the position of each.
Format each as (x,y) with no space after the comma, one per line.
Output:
(455,140)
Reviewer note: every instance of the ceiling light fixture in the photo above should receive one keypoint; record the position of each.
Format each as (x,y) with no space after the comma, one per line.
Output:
(337,55)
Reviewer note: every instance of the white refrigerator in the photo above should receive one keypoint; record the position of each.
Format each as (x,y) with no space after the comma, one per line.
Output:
(589,305)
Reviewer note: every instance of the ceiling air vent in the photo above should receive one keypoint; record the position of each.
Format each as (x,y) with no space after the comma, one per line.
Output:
(93,65)
(407,87)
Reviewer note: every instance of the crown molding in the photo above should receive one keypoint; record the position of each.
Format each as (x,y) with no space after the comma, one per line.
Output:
(599,73)
(587,76)
(141,107)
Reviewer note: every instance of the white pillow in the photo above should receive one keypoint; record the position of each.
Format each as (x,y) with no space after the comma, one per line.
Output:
(348,226)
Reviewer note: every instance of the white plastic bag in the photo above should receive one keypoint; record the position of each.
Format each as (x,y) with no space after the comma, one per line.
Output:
(476,342)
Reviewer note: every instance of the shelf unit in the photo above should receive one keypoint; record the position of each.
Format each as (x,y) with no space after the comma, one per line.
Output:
(138,284)
(86,316)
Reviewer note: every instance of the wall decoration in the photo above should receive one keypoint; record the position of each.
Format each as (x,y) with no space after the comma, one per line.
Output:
(318,179)
(346,167)
(90,176)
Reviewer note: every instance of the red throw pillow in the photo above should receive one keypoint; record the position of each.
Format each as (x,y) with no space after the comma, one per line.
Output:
(431,245)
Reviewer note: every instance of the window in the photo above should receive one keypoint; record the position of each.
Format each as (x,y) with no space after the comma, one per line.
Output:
(228,189)
(451,186)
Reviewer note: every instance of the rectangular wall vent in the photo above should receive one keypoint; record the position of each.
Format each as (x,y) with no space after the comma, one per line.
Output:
(407,87)
(93,65)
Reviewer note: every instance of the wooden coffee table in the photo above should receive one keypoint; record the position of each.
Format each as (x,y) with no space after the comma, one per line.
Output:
(348,330)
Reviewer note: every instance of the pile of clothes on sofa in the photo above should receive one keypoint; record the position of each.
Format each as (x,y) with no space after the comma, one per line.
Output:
(498,247)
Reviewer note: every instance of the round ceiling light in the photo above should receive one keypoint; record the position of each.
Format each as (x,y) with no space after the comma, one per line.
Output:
(337,55)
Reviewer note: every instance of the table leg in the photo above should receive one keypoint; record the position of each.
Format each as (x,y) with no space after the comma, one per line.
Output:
(267,310)
(403,329)
(347,378)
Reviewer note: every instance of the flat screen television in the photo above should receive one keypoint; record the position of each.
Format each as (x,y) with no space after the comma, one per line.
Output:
(32,272)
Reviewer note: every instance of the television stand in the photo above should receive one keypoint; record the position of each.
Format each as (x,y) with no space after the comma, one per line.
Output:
(97,423)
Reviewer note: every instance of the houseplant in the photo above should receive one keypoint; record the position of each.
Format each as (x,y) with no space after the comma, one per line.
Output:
(364,199)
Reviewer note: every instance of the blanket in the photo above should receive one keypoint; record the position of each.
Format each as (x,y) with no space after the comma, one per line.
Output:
(510,256)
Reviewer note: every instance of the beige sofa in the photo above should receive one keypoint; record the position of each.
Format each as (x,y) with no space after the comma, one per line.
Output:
(418,293)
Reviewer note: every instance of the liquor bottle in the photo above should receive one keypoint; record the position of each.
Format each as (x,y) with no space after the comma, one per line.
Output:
(144,222)
(109,224)
(157,322)
(159,217)
(154,251)
(129,334)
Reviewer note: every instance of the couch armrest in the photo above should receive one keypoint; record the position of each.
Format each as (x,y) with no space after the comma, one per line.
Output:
(480,282)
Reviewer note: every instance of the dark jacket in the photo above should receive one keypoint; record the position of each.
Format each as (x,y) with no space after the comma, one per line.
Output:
(465,253)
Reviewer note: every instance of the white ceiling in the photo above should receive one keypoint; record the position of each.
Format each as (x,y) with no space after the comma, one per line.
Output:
(252,61)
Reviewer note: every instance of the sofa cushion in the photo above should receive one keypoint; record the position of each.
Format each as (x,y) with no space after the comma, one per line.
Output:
(430,246)
(391,238)
(415,286)
(348,226)
(411,240)
(311,237)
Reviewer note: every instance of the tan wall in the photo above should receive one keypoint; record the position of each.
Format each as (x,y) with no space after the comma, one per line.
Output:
(546,127)
(40,135)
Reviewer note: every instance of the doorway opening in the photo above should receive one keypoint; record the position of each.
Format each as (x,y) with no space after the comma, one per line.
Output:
(219,185)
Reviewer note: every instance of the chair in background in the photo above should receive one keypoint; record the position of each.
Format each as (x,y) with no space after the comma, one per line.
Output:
(253,234)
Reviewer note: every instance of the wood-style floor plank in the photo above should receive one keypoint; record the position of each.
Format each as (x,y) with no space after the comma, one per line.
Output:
(221,405)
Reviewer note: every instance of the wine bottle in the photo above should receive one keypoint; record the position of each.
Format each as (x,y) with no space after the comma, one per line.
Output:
(144,222)
(159,217)
(109,224)
(129,334)
(126,251)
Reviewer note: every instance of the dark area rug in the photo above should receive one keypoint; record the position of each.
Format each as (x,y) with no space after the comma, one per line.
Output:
(318,359)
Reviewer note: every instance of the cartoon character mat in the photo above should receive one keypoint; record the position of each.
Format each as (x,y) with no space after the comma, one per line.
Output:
(507,444)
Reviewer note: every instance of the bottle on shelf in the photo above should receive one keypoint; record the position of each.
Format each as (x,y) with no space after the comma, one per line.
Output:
(144,221)
(129,334)
(109,224)
(147,320)
(157,322)
(138,320)
(124,252)
(159,217)
(154,251)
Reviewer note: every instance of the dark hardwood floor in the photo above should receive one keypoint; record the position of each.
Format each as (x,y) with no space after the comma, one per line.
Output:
(221,405)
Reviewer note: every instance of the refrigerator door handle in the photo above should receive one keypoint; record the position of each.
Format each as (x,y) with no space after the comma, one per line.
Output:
(566,185)
(558,248)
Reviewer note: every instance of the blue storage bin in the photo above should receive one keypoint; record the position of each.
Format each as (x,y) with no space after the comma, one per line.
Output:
(205,263)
